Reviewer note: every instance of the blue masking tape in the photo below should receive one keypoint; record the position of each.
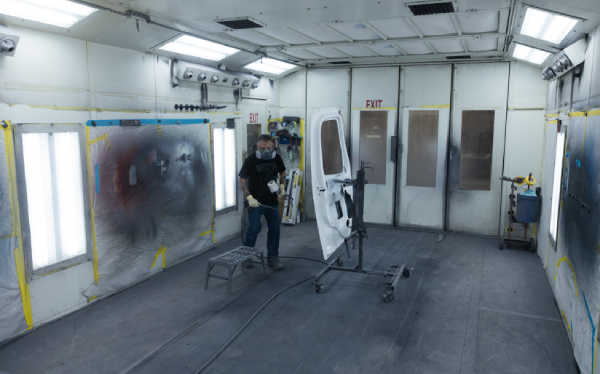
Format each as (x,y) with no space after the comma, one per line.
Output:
(568,153)
(97,180)
(578,163)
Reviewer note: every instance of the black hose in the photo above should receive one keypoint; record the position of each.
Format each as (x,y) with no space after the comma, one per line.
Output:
(224,347)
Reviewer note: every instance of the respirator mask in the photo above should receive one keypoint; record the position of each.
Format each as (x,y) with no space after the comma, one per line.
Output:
(266,154)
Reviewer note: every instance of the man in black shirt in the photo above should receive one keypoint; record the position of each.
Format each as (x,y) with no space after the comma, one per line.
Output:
(258,170)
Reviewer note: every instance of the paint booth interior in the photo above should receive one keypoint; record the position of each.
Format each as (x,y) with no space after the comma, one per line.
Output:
(439,210)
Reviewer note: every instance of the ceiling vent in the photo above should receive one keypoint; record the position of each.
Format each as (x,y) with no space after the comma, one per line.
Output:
(240,23)
(428,8)
(461,57)
(339,62)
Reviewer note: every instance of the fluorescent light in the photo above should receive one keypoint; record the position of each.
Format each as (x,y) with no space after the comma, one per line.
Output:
(533,55)
(230,174)
(269,65)
(61,13)
(219,151)
(556,184)
(546,26)
(190,46)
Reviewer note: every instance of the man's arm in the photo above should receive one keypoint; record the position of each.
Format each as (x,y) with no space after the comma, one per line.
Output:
(282,177)
(244,187)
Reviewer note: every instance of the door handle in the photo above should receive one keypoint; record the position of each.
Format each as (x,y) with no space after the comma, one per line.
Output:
(394,148)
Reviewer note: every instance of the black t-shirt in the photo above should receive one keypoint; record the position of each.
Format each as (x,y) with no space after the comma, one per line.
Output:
(259,173)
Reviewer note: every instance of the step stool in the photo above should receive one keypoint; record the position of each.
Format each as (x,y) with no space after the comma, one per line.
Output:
(231,259)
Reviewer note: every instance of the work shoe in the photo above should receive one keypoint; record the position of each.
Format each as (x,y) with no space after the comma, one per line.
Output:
(248,264)
(275,263)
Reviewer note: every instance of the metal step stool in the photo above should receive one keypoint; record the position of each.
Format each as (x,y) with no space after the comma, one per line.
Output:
(231,259)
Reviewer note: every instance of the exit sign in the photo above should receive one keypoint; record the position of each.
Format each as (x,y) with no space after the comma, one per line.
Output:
(374,103)
(253,117)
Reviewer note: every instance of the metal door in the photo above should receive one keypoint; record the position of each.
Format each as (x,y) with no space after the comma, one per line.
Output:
(374,140)
(477,147)
(330,167)
(425,125)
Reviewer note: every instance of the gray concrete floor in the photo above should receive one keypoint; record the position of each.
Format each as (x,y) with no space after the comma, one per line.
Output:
(467,308)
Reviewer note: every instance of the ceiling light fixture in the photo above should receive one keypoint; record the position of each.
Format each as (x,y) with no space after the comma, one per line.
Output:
(61,13)
(190,46)
(532,55)
(547,26)
(269,65)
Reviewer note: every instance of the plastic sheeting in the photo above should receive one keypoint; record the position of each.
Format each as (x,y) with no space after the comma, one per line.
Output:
(151,189)
(12,320)
(5,217)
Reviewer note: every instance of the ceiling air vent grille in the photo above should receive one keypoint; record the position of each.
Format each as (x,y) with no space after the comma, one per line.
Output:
(424,9)
(340,62)
(240,23)
(463,57)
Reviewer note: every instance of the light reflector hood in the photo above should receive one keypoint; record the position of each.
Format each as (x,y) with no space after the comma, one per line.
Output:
(190,46)
(547,26)
(532,55)
(61,13)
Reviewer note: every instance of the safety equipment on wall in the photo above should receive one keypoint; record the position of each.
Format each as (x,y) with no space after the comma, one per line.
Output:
(566,60)
(196,73)
(281,190)
(252,202)
(266,154)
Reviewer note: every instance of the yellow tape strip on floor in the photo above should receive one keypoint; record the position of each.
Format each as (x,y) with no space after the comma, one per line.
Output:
(563,259)
(161,251)
(206,232)
(93,214)
(567,321)
(92,298)
(16,224)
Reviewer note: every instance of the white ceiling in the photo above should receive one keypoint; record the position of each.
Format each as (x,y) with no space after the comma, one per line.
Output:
(317,32)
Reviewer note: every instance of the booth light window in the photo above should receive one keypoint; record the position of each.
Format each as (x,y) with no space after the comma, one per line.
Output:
(190,46)
(225,169)
(61,13)
(556,184)
(547,26)
(269,65)
(55,201)
(532,55)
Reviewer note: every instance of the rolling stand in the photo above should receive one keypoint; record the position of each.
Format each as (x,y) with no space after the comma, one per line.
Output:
(359,230)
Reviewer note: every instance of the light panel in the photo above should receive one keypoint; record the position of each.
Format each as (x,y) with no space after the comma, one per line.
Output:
(190,46)
(556,184)
(269,65)
(61,13)
(546,26)
(533,55)
(225,173)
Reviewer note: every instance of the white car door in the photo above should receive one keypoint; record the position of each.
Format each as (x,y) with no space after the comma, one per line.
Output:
(330,167)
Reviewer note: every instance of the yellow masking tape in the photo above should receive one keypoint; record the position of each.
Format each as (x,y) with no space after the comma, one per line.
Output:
(161,251)
(578,114)
(93,214)
(567,321)
(594,113)
(16,224)
(92,298)
(563,259)
(374,108)
(553,122)
(444,106)
(206,232)
(101,137)
(547,250)
(301,164)
(552,115)
(159,132)
(212,173)
(87,109)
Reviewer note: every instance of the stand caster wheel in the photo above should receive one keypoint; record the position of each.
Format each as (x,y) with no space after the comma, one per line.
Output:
(406,273)
(388,296)
(339,262)
(318,287)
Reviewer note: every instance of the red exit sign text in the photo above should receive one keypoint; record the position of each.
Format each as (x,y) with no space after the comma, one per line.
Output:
(374,103)
(253,117)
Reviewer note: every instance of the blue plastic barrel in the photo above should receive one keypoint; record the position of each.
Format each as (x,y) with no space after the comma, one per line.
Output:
(528,208)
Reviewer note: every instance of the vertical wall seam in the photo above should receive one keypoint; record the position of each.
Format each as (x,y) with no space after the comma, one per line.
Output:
(92,212)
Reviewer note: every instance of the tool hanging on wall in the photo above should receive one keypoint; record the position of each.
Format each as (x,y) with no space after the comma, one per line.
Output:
(203,101)
(290,209)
